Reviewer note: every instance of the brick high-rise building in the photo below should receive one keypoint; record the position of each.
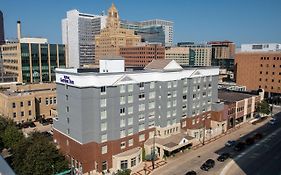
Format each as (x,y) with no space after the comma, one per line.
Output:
(141,55)
(259,70)
(112,37)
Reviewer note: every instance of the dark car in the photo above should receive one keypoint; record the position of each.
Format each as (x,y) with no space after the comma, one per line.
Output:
(43,121)
(32,125)
(210,163)
(223,157)
(258,136)
(239,146)
(250,141)
(191,173)
(49,120)
(230,143)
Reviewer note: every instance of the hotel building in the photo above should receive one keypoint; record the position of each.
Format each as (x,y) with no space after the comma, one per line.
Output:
(106,120)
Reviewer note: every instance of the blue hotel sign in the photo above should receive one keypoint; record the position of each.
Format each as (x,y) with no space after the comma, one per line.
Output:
(66,79)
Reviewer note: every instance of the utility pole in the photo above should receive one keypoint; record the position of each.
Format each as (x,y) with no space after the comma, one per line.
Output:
(204,128)
(153,150)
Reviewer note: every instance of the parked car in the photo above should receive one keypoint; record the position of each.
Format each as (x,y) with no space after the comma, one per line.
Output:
(230,143)
(239,146)
(258,136)
(223,157)
(191,173)
(210,163)
(49,120)
(272,121)
(250,141)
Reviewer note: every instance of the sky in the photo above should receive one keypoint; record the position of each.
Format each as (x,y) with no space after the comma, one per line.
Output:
(240,21)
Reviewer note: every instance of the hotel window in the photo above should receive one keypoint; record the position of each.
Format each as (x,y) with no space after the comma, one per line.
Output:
(130,120)
(29,112)
(103,115)
(168,104)
(102,102)
(175,83)
(14,105)
(185,81)
(68,131)
(122,111)
(185,90)
(122,100)
(151,124)
(131,142)
(141,117)
(169,84)
(104,149)
(151,95)
(124,164)
(104,138)
(130,99)
(46,101)
(130,110)
(67,108)
(151,105)
(141,137)
(174,112)
(130,131)
(122,133)
(66,97)
(174,93)
(21,104)
(55,100)
(103,126)
(67,120)
(141,85)
(174,103)
(14,115)
(29,103)
(130,88)
(141,107)
(123,145)
(184,107)
(133,162)
(141,96)
(141,127)
(103,90)
(122,122)
(122,88)
(152,85)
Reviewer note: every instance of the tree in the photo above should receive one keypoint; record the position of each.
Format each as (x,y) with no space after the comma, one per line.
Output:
(41,157)
(263,107)
(11,136)
(124,172)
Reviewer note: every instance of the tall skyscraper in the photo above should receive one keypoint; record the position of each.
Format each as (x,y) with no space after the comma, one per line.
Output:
(154,30)
(78,33)
(2,36)
(112,37)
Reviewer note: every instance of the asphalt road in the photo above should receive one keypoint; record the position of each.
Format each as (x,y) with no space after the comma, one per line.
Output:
(262,158)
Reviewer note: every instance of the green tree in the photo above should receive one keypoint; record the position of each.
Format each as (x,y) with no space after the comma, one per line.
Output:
(263,107)
(11,136)
(41,157)
(124,172)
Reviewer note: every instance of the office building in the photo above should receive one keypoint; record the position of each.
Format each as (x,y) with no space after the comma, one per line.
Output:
(32,60)
(199,54)
(155,30)
(223,54)
(112,37)
(2,33)
(263,47)
(22,103)
(259,70)
(142,54)
(78,34)
(106,119)
(179,54)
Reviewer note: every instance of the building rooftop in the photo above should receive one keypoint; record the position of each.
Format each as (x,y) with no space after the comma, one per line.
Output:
(233,96)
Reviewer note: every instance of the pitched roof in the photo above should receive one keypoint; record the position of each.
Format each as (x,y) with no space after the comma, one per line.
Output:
(163,64)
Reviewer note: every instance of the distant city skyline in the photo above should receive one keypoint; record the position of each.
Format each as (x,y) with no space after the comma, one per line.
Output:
(240,21)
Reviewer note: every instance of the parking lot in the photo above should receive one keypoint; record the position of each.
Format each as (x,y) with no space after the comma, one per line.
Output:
(39,127)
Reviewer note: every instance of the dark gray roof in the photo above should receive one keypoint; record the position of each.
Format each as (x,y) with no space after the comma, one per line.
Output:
(231,96)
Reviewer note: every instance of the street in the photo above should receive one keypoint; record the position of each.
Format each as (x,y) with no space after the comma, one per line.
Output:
(193,159)
(263,158)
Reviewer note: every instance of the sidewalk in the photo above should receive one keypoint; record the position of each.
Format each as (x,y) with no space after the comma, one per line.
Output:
(193,156)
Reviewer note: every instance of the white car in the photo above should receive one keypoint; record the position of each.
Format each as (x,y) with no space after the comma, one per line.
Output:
(272,121)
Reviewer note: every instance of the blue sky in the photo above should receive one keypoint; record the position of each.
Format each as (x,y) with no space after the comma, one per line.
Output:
(241,21)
